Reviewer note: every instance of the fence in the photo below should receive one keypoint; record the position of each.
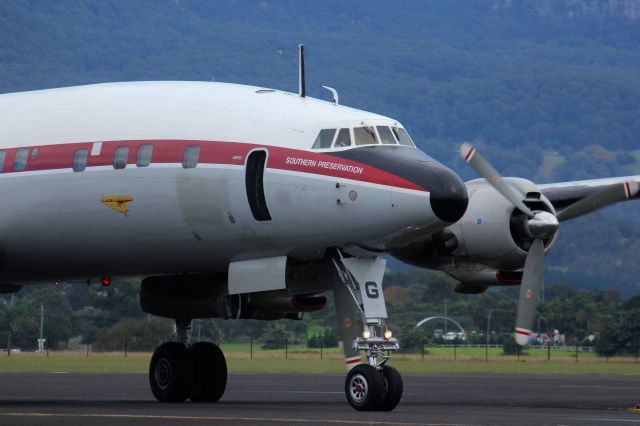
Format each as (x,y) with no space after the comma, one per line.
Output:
(455,352)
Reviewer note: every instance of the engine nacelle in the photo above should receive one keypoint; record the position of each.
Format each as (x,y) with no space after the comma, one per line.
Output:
(6,288)
(492,238)
(192,296)
(492,231)
(475,278)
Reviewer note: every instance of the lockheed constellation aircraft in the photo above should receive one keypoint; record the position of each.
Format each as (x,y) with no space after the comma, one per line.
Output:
(239,202)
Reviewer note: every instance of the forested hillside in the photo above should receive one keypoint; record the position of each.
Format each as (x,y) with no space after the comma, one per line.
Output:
(548,89)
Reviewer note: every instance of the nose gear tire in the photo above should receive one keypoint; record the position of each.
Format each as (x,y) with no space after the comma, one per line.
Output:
(393,388)
(364,387)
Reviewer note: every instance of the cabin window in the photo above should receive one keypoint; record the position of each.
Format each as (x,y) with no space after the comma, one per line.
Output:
(20,161)
(191,156)
(143,159)
(254,180)
(402,136)
(121,157)
(324,139)
(3,156)
(364,136)
(386,137)
(80,160)
(343,139)
(35,153)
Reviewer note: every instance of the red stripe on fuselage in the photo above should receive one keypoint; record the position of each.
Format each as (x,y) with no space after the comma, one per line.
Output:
(56,157)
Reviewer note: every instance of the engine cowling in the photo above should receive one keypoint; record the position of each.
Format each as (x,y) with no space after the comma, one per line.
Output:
(492,237)
(192,296)
(492,231)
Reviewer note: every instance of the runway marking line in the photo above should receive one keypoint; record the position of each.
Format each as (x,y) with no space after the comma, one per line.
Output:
(226,418)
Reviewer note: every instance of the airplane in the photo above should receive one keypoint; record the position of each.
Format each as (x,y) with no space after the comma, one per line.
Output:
(240,202)
(229,201)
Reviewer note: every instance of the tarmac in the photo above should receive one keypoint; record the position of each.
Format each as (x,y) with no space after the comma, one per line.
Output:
(446,399)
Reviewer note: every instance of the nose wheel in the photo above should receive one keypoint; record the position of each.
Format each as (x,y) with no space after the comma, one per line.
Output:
(368,388)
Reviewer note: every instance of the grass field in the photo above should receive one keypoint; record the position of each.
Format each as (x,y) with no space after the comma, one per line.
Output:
(438,361)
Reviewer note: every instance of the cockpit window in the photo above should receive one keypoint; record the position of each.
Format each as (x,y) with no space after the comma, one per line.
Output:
(364,136)
(386,137)
(403,136)
(343,139)
(324,139)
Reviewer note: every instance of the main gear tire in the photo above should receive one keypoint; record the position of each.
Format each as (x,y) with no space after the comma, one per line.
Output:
(210,369)
(171,372)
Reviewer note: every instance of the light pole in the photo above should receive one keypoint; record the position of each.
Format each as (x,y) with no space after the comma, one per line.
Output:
(445,315)
(40,340)
(486,355)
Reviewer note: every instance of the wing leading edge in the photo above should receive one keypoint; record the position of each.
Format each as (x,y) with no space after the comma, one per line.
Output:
(565,194)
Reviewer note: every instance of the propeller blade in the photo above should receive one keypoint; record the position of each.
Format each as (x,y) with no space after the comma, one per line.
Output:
(600,199)
(486,170)
(529,291)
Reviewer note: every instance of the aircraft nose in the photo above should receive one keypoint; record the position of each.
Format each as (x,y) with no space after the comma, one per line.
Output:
(447,192)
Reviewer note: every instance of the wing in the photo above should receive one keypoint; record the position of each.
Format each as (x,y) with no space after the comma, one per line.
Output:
(596,193)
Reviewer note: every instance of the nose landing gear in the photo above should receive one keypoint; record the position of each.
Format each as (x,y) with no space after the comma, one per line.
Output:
(373,386)
(178,372)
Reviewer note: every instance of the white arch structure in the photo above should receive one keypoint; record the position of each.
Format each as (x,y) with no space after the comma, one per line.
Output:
(443,318)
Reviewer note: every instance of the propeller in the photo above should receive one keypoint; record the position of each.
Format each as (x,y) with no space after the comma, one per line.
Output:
(486,170)
(530,291)
(540,226)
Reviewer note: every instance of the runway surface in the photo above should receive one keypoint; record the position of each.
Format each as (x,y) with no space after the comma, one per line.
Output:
(81,399)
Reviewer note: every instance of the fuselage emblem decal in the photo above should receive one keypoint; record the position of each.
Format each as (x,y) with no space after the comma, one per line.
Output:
(117,203)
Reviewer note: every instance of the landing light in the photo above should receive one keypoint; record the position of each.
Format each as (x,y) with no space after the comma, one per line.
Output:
(366,334)
(388,334)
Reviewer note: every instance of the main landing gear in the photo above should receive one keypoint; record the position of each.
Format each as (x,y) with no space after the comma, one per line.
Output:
(374,386)
(179,372)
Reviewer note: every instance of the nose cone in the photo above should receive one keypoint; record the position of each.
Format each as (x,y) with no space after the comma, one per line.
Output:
(447,192)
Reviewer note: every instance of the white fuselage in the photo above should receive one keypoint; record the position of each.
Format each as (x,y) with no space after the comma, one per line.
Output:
(66,225)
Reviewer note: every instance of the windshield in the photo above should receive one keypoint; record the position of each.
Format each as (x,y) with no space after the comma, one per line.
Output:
(364,136)
(402,136)
(361,136)
(324,139)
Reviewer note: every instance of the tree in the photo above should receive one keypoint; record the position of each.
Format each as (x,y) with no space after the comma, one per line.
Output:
(620,337)
(137,334)
(23,318)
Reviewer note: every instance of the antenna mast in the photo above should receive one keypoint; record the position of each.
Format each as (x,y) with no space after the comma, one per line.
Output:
(301,85)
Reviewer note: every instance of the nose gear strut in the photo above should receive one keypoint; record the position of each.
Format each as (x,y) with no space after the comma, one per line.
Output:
(373,386)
